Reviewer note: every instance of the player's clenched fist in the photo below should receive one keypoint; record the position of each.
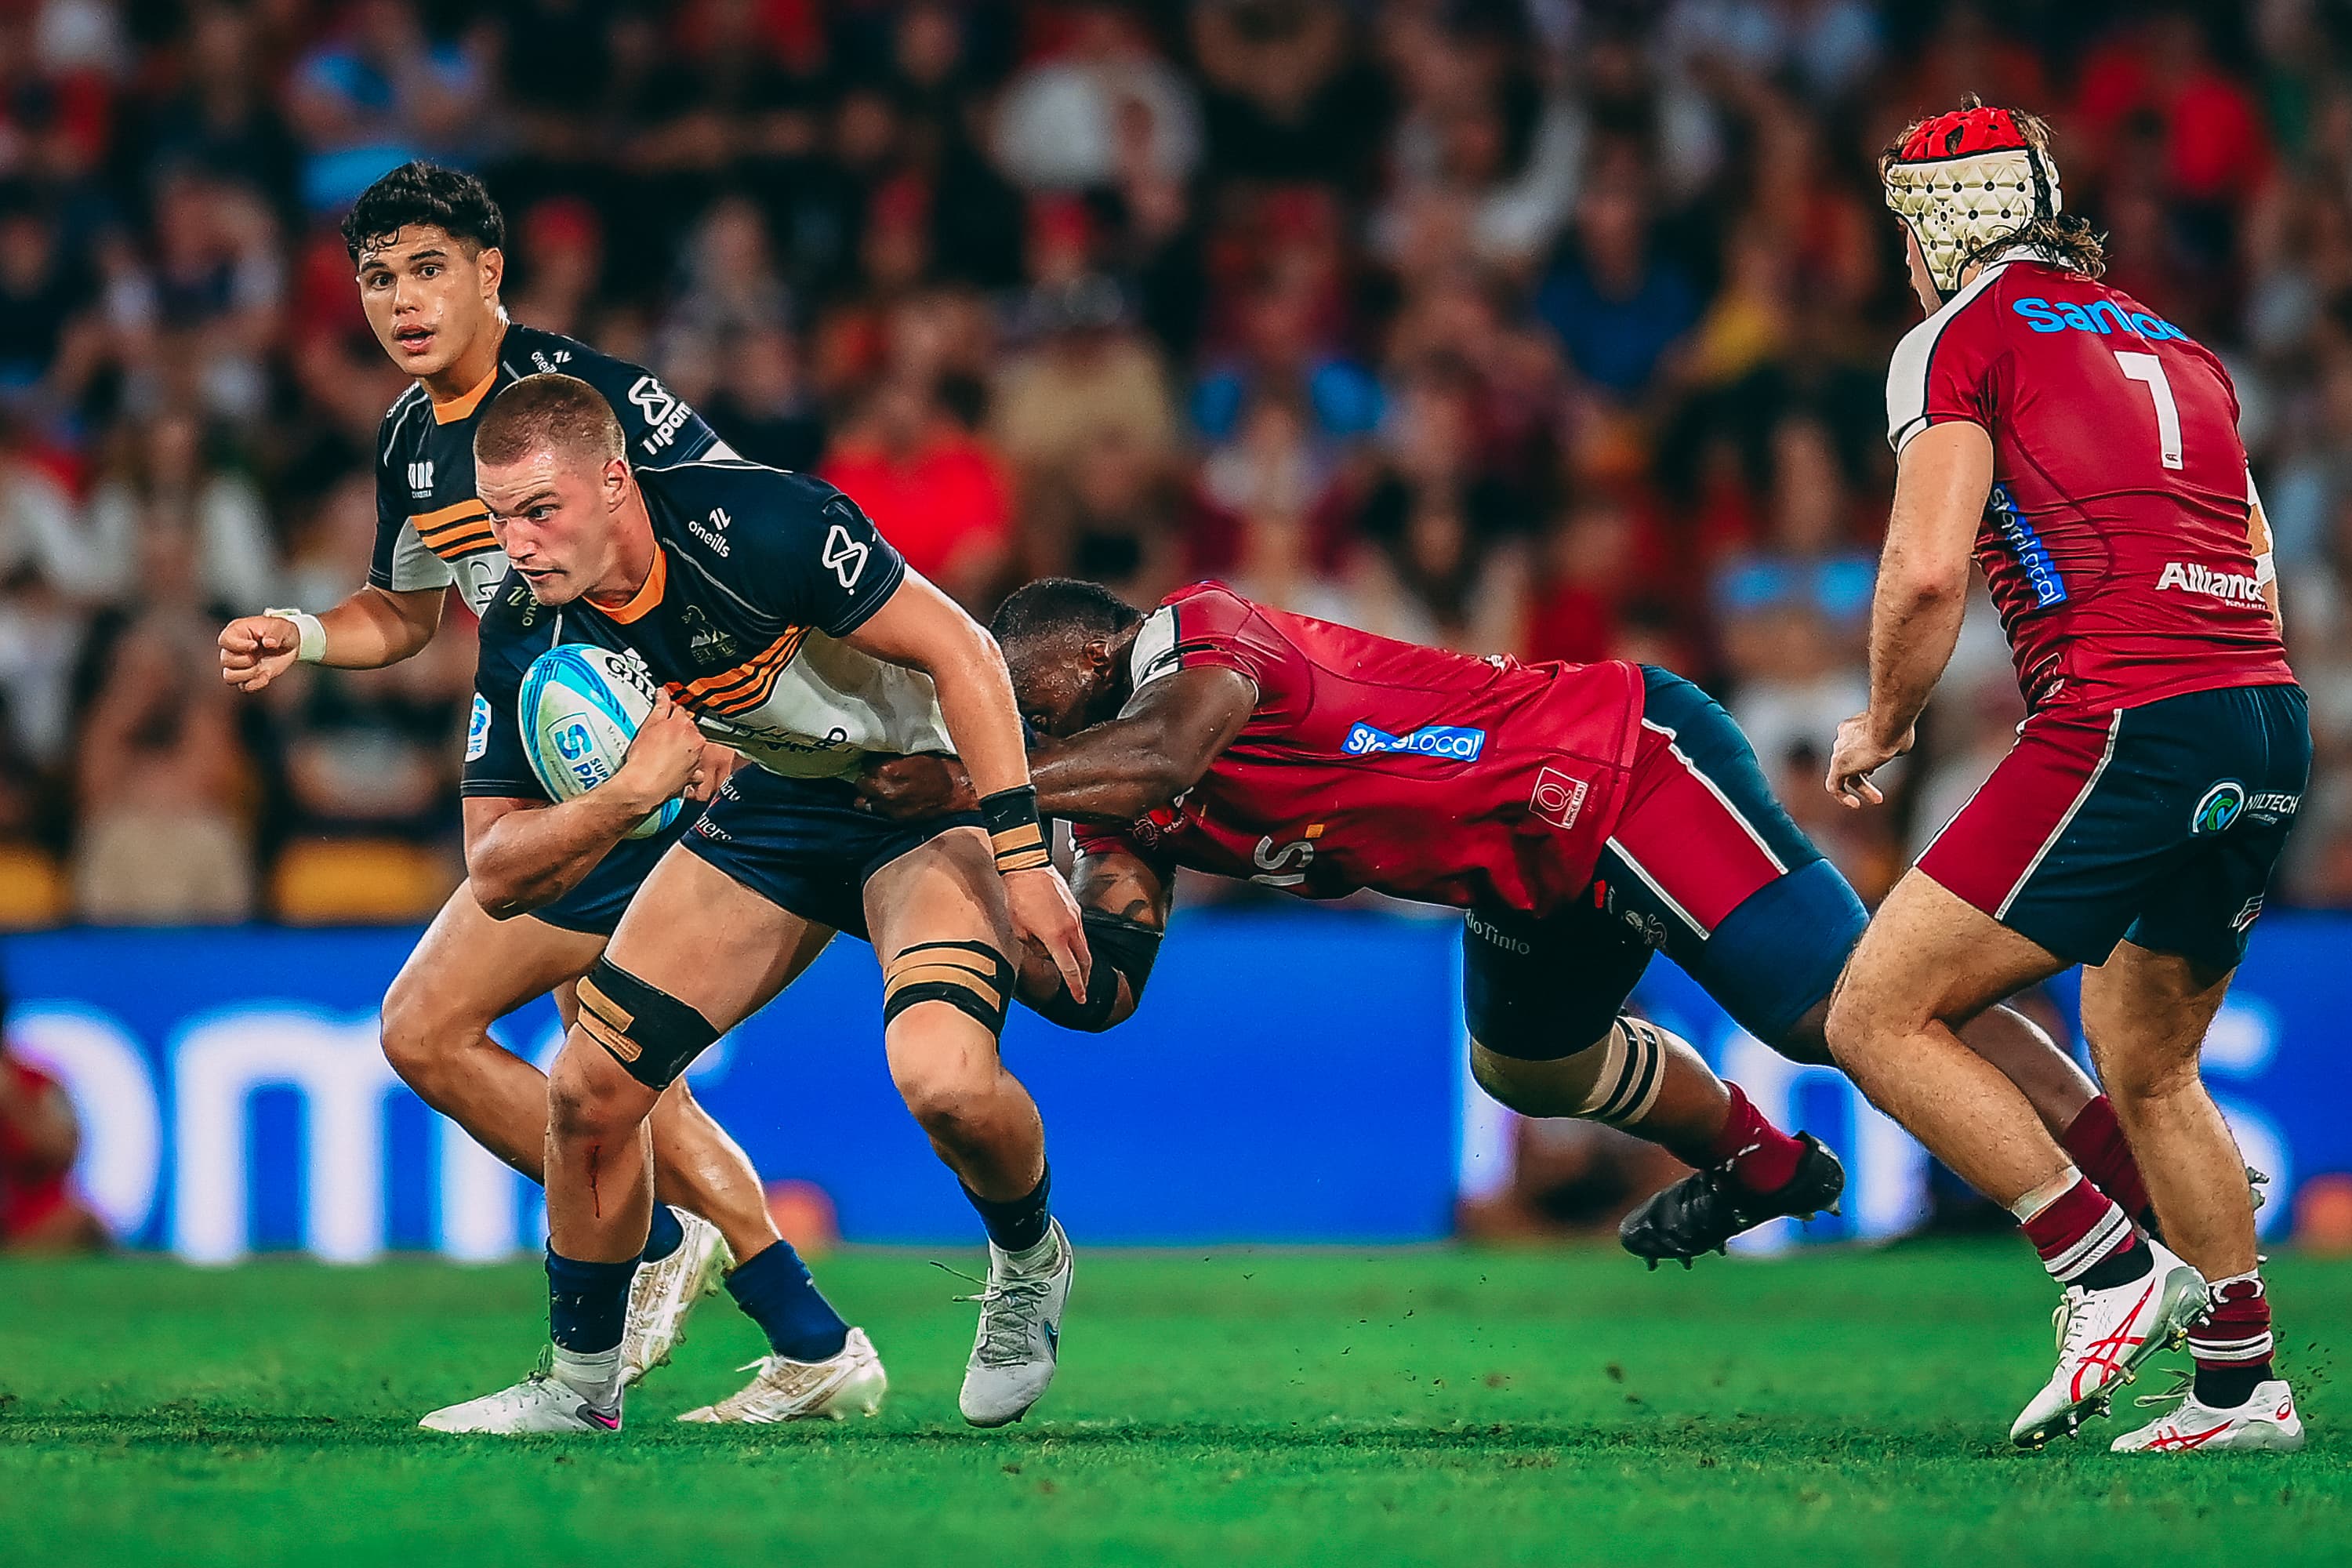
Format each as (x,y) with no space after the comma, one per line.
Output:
(257,649)
(1858,755)
(666,759)
(1045,913)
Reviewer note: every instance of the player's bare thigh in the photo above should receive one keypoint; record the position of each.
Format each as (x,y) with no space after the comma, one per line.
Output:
(468,970)
(944,890)
(697,934)
(1929,955)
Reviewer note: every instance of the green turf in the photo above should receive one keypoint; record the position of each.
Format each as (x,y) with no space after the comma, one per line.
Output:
(1234,1408)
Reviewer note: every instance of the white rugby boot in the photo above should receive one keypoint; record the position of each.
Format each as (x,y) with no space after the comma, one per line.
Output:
(2267,1420)
(2103,1338)
(1014,1354)
(661,1295)
(851,1382)
(540,1402)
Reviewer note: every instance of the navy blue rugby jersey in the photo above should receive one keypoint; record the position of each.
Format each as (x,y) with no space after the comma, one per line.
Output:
(758,574)
(431,530)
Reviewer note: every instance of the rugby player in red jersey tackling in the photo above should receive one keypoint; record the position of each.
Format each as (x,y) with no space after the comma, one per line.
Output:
(1583,816)
(2087,452)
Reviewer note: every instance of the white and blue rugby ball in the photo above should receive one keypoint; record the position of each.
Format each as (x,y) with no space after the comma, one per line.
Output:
(581,706)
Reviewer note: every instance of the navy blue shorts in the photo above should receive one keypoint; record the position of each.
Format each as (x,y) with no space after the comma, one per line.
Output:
(2160,824)
(595,905)
(1702,865)
(803,846)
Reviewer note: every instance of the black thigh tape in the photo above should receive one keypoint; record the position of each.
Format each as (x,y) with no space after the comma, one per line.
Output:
(970,976)
(653,1035)
(1120,946)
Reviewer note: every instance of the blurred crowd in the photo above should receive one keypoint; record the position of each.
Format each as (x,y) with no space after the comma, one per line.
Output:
(1553,327)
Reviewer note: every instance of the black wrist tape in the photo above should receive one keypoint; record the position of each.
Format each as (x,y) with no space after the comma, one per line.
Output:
(1014,831)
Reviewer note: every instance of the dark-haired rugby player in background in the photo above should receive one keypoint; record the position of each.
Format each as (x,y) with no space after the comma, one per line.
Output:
(1583,816)
(428,244)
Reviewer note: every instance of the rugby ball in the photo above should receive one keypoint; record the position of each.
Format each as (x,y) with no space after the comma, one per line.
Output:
(581,708)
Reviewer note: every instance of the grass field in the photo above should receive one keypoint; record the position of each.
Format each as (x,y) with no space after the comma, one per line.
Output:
(1235,1408)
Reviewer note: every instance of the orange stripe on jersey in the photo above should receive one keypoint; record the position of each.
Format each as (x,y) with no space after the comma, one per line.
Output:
(464,404)
(748,684)
(649,594)
(455,511)
(450,549)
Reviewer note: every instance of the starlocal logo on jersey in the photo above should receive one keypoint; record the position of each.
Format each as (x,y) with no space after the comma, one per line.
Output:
(1451,742)
(2067,315)
(665,414)
(2237,587)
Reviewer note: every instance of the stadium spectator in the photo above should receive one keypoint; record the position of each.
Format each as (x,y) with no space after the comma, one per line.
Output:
(1549,328)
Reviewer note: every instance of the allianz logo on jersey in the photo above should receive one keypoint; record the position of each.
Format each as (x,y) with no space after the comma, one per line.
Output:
(1449,742)
(2237,587)
(664,412)
(2067,315)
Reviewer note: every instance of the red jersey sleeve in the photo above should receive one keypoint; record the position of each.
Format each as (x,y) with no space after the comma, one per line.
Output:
(1944,368)
(1210,627)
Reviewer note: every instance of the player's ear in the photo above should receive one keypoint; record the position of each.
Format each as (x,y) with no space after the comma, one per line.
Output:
(1098,654)
(616,482)
(493,264)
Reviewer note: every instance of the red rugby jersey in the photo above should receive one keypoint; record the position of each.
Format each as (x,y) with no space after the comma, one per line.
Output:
(1369,763)
(2115,539)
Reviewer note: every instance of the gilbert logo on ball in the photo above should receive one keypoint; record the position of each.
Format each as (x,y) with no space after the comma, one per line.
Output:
(580,708)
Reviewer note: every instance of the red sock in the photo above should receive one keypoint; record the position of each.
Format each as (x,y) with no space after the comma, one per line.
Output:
(1760,1156)
(2096,1142)
(2079,1231)
(2231,1343)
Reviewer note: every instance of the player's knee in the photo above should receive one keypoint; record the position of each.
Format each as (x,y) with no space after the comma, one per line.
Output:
(586,1097)
(945,1096)
(2134,1078)
(422,1029)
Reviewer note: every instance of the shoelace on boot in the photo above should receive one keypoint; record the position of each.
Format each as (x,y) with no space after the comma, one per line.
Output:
(1006,1313)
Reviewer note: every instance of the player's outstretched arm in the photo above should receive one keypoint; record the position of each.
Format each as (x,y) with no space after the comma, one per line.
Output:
(921,628)
(1157,747)
(1940,485)
(523,855)
(373,628)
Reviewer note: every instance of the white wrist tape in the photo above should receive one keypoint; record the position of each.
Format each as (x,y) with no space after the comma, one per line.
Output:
(312,647)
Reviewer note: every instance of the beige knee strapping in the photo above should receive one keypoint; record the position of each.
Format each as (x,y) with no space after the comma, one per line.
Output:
(1632,1070)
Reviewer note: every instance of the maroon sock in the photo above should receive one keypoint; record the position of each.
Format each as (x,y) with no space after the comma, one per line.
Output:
(2100,1151)
(1760,1156)
(2084,1238)
(2231,1343)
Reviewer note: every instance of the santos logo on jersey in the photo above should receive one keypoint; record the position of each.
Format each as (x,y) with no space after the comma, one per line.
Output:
(1452,743)
(2065,315)
(2237,587)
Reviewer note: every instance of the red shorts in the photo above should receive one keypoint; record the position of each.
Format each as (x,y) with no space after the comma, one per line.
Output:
(2160,823)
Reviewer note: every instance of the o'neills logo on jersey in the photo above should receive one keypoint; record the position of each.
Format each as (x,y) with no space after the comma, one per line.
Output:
(2237,587)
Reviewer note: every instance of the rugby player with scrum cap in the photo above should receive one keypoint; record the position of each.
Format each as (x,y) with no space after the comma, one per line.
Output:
(428,245)
(1584,816)
(2085,452)
(768,609)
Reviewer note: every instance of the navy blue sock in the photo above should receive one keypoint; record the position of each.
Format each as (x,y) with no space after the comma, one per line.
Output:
(587,1303)
(664,1236)
(1018,1226)
(775,1291)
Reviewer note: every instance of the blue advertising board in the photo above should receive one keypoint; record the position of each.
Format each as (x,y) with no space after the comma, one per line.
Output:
(1295,1078)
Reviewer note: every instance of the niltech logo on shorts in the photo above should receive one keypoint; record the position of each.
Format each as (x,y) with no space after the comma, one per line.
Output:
(1452,744)
(2220,806)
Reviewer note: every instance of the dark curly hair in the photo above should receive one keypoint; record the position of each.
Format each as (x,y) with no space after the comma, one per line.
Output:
(1062,604)
(418,195)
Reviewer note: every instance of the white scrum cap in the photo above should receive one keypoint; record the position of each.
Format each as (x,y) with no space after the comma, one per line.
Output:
(1965,180)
